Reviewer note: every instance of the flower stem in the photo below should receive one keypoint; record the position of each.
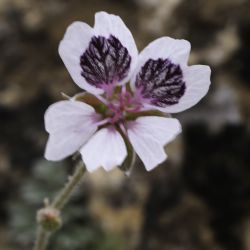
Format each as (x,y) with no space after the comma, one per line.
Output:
(42,239)
(47,217)
(68,190)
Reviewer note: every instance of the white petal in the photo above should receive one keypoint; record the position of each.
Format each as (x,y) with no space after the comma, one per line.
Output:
(70,124)
(108,24)
(176,50)
(105,149)
(75,42)
(63,144)
(161,129)
(197,79)
(148,135)
(64,115)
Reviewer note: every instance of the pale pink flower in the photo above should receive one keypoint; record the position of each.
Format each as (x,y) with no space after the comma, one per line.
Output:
(101,60)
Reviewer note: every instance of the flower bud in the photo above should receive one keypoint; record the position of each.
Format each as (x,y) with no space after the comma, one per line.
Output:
(49,218)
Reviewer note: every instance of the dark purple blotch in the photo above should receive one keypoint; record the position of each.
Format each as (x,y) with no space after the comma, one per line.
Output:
(105,61)
(161,81)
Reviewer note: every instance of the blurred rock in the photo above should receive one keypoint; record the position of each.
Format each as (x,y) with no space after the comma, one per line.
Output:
(221,180)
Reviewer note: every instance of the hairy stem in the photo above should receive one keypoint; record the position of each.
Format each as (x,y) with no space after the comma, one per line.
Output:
(42,239)
(43,231)
(69,188)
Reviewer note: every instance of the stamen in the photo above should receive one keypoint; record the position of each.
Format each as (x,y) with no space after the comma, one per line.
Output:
(120,105)
(103,100)
(124,90)
(103,122)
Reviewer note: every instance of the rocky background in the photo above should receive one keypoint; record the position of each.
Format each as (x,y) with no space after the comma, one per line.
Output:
(198,200)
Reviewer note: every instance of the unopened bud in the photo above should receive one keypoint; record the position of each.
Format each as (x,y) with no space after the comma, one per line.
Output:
(49,218)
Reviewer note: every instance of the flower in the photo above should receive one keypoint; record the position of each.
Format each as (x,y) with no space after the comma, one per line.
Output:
(115,116)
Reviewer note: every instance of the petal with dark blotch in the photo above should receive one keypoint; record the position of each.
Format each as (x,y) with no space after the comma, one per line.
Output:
(197,81)
(108,25)
(164,80)
(105,63)
(100,57)
(75,41)
(160,82)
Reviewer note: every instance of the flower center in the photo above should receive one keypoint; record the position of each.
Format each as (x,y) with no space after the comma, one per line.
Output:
(123,105)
